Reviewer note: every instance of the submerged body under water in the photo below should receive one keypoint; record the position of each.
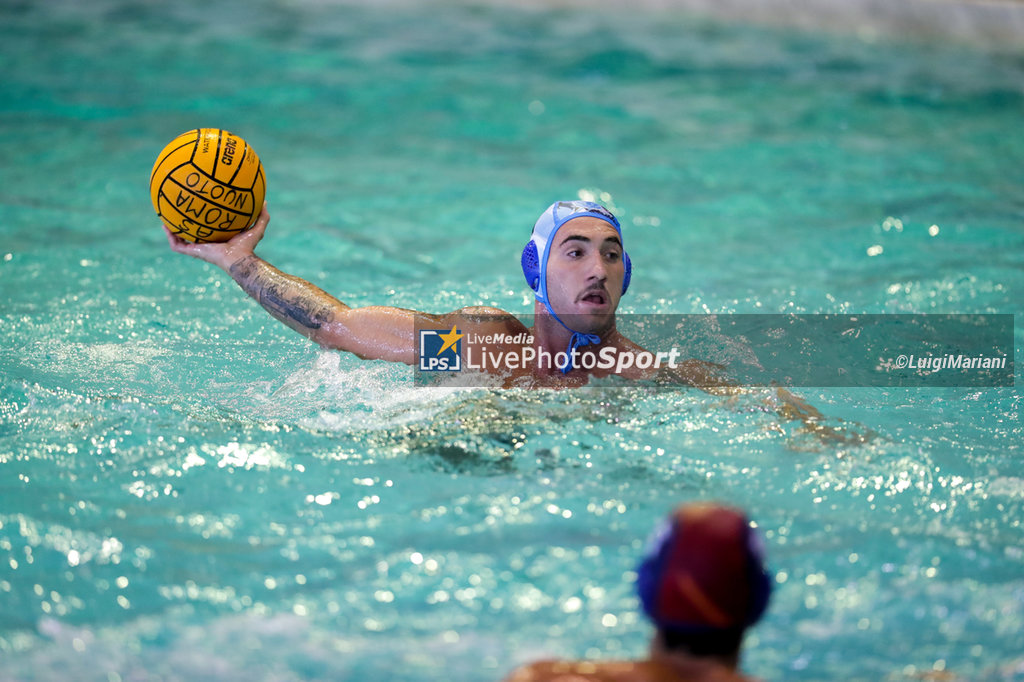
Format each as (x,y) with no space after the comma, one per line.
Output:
(188,490)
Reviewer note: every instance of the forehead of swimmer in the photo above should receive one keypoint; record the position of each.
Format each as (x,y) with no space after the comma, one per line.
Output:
(587,230)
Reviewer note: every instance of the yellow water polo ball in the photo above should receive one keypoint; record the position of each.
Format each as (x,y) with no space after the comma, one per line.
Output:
(208,185)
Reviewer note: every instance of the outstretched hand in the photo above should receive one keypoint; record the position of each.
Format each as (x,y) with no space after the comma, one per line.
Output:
(795,408)
(223,254)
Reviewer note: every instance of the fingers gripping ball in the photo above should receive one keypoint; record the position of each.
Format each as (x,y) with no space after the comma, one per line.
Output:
(208,185)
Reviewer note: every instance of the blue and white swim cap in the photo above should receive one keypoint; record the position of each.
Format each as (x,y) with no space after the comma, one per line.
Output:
(535,258)
(535,255)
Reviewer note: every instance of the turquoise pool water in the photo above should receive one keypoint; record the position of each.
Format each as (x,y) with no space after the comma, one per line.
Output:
(190,491)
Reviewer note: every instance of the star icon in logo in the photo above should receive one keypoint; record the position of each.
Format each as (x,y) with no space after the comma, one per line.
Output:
(450,339)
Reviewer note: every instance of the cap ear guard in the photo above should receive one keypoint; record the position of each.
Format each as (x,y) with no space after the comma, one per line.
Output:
(652,567)
(531,267)
(760,580)
(628,265)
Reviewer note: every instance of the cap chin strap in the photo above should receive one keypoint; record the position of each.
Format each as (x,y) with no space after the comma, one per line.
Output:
(578,339)
(575,341)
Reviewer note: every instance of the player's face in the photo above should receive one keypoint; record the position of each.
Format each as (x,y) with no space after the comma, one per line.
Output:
(585,273)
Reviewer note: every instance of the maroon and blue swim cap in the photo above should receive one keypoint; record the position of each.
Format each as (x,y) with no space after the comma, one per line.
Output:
(704,571)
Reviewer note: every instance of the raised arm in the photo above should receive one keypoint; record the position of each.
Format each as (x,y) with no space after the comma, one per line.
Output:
(375,332)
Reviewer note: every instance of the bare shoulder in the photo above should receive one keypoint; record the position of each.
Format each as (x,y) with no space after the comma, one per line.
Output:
(485,320)
(559,671)
(673,369)
(702,374)
(624,671)
(603,671)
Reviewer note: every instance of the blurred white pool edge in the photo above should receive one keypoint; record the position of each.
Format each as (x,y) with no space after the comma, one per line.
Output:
(984,24)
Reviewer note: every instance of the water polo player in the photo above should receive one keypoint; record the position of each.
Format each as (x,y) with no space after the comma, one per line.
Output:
(702,583)
(575,263)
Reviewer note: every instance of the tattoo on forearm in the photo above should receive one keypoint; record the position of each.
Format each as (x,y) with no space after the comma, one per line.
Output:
(295,302)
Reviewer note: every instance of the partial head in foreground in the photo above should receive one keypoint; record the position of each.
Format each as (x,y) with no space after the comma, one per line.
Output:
(703,581)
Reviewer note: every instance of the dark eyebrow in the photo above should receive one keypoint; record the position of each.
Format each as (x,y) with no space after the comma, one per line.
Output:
(581,238)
